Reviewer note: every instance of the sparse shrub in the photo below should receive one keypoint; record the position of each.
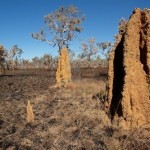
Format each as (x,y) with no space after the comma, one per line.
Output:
(102,98)
(2,58)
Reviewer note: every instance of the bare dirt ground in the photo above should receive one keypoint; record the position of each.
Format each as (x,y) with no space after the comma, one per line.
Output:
(65,119)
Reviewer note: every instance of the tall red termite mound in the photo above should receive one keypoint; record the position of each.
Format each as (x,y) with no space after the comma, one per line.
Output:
(128,75)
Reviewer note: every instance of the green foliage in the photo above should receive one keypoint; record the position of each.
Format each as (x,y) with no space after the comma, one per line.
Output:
(61,25)
(105,48)
(15,52)
(47,59)
(89,49)
(13,56)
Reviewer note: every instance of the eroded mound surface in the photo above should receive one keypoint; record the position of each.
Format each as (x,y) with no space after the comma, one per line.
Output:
(129,65)
(63,73)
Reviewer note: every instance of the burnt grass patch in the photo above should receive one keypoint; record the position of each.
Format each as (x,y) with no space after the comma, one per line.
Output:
(64,118)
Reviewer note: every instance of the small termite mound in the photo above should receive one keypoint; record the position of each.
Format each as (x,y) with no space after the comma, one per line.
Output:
(30,114)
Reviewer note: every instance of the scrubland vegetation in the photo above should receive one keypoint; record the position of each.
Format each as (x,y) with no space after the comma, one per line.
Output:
(37,115)
(70,118)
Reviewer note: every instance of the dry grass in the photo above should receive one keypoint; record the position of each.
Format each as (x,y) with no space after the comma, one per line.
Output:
(69,119)
(81,118)
(137,139)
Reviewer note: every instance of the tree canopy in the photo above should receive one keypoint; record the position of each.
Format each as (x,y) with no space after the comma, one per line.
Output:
(89,49)
(61,26)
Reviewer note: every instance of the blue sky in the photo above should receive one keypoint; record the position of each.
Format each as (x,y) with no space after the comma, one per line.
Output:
(20,18)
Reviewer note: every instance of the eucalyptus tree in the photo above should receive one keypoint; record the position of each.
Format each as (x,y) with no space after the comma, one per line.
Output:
(61,27)
(13,56)
(47,60)
(105,48)
(25,63)
(36,62)
(89,50)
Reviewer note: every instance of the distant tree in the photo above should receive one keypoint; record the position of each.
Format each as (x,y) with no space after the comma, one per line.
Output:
(105,48)
(54,64)
(89,50)
(121,28)
(47,60)
(13,56)
(122,25)
(2,53)
(36,62)
(77,63)
(2,59)
(15,52)
(25,63)
(61,26)
(71,55)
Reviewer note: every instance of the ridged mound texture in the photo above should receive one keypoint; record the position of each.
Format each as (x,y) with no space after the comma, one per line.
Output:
(128,74)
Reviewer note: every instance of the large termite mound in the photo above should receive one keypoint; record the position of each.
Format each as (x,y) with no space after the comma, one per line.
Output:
(128,74)
(63,73)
